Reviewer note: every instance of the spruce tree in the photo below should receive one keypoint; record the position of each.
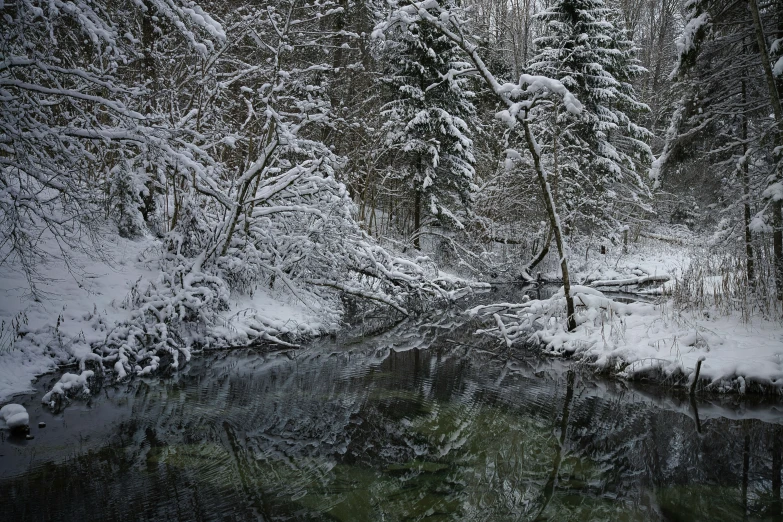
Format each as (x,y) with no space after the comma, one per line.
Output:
(425,125)
(597,156)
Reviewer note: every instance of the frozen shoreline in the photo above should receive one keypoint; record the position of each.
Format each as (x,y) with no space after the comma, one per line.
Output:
(644,340)
(82,300)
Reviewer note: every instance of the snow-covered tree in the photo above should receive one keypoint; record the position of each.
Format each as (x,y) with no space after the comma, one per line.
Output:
(426,124)
(599,157)
(519,100)
(70,111)
(155,113)
(726,77)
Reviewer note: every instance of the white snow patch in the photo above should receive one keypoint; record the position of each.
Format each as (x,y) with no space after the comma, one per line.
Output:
(15,416)
(68,383)
(639,338)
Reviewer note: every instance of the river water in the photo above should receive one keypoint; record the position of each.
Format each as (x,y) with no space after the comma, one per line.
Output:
(422,422)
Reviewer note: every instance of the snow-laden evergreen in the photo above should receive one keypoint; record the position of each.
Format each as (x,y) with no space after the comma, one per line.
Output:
(426,123)
(599,158)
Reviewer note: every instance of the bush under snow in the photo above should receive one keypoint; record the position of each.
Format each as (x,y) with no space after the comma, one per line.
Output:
(645,340)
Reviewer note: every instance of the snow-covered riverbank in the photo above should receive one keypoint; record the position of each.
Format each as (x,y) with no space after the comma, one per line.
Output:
(79,302)
(650,340)
(663,341)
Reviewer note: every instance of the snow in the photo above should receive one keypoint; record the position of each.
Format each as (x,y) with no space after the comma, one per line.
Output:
(641,339)
(648,339)
(774,192)
(687,41)
(543,84)
(82,301)
(777,70)
(759,226)
(658,258)
(69,383)
(76,307)
(15,416)
(249,314)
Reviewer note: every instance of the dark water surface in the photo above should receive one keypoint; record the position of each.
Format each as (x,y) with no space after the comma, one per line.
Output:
(424,422)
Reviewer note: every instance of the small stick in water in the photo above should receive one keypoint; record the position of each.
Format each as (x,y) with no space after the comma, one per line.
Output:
(696,375)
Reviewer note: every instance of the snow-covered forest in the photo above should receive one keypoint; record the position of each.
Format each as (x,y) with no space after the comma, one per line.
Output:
(179,176)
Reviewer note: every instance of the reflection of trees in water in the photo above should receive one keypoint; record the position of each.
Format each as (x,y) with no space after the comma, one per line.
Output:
(383,427)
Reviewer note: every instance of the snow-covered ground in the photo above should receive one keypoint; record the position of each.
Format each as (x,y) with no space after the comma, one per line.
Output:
(78,302)
(646,258)
(649,339)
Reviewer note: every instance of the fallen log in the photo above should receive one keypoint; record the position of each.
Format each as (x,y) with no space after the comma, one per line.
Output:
(630,281)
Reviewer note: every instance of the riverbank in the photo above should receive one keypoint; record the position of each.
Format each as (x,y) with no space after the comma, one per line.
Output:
(78,300)
(697,315)
(649,340)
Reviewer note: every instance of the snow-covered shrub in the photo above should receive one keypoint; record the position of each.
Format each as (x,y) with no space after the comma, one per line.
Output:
(191,232)
(70,385)
(124,201)
(73,108)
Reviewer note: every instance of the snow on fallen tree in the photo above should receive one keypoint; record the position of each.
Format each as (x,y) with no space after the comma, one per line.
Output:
(645,340)
(630,281)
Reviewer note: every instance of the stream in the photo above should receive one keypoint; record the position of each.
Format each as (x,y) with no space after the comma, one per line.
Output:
(424,421)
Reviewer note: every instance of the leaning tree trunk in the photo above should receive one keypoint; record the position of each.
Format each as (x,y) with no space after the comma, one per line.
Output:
(417,220)
(454,33)
(541,253)
(777,204)
(554,220)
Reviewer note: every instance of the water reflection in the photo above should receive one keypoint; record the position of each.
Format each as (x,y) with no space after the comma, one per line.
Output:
(422,422)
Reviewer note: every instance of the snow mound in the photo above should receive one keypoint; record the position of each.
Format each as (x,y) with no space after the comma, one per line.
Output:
(15,416)
(69,384)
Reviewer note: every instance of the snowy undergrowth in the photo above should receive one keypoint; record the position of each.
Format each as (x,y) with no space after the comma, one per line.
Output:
(136,309)
(89,311)
(653,255)
(636,340)
(704,308)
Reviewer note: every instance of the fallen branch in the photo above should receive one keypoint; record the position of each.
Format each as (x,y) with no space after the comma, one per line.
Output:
(631,281)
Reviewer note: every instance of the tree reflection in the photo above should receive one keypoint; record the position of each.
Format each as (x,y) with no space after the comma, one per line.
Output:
(422,421)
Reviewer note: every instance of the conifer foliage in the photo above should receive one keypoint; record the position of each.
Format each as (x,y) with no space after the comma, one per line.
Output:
(426,124)
(598,156)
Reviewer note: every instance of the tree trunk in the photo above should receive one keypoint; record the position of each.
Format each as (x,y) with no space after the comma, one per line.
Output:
(417,220)
(472,51)
(777,246)
(244,188)
(746,195)
(542,253)
(554,221)
(555,163)
(149,74)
